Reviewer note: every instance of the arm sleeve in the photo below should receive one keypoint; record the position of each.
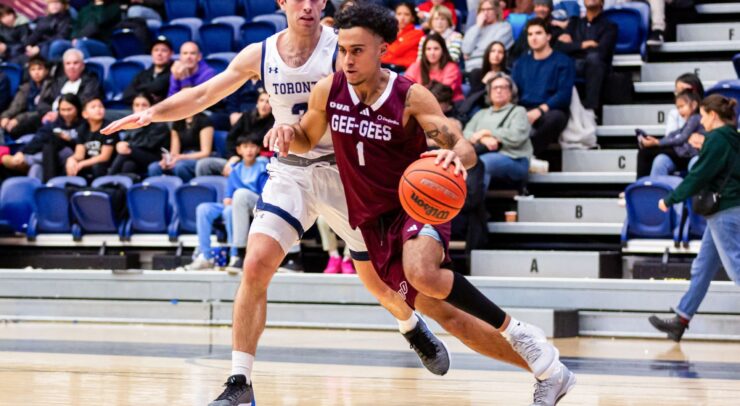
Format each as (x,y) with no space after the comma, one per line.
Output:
(455,46)
(608,42)
(712,159)
(680,137)
(413,72)
(565,74)
(174,86)
(232,184)
(470,39)
(18,105)
(516,132)
(472,126)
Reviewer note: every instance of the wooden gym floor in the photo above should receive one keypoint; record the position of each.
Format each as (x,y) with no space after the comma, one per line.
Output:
(86,364)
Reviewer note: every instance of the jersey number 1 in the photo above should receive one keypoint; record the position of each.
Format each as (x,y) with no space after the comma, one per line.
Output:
(361,153)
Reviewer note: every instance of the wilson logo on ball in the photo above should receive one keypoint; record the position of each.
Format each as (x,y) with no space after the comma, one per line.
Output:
(429,210)
(436,186)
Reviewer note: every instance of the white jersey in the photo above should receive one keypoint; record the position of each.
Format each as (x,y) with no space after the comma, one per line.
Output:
(289,88)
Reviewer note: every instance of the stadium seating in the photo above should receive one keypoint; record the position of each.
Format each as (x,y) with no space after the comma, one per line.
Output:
(220,60)
(145,60)
(727,88)
(736,64)
(216,37)
(277,20)
(193,23)
(93,211)
(219,142)
(570,7)
(518,21)
(254,8)
(92,47)
(100,65)
(171,183)
(256,32)
(14,72)
(644,218)
(235,22)
(52,207)
(632,33)
(121,74)
(218,183)
(176,34)
(218,8)
(180,8)
(125,43)
(149,209)
(202,189)
(17,203)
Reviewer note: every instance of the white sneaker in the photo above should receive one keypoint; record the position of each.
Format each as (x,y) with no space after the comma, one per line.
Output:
(235,265)
(200,263)
(538,166)
(548,392)
(530,342)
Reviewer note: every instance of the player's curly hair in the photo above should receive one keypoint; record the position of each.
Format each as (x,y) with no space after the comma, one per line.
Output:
(370,16)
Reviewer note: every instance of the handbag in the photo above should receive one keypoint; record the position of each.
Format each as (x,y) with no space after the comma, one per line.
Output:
(706,202)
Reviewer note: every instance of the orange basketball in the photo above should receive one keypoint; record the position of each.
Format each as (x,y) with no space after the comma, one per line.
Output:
(431,194)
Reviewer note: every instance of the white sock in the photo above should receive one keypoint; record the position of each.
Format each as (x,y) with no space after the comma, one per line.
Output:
(333,253)
(512,323)
(404,326)
(241,364)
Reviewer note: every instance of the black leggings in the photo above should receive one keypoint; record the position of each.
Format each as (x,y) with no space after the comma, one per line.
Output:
(646,156)
(135,162)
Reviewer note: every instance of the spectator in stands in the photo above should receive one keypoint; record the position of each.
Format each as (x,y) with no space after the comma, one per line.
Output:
(436,64)
(337,263)
(12,36)
(247,178)
(75,80)
(425,11)
(146,9)
(55,25)
(673,152)
(495,62)
(717,171)
(545,80)
(500,134)
(140,147)
(191,139)
(543,10)
(590,40)
(190,70)
(255,123)
(22,117)
(523,6)
(403,51)
(97,20)
(93,151)
(154,81)
(441,23)
(443,94)
(44,155)
(243,99)
(690,82)
(489,26)
(657,22)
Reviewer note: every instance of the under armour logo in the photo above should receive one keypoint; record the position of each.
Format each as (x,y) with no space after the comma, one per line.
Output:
(412,228)
(404,289)
(270,69)
(365,112)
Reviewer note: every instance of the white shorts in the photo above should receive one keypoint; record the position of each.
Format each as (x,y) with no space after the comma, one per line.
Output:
(294,197)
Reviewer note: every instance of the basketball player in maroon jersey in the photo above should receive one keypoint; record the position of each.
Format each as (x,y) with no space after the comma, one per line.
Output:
(378,122)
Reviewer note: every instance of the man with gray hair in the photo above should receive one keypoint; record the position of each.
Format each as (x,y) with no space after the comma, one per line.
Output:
(73,79)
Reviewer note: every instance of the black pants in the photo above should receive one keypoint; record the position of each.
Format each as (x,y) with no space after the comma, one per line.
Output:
(593,70)
(646,156)
(135,162)
(547,129)
(92,172)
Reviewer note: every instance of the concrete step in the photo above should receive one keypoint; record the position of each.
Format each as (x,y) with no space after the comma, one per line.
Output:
(627,60)
(669,71)
(667,86)
(629,130)
(552,228)
(700,46)
(546,264)
(584,177)
(631,324)
(708,32)
(576,210)
(600,160)
(636,115)
(718,8)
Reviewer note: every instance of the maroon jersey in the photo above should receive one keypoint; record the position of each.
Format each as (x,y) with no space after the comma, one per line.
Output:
(372,146)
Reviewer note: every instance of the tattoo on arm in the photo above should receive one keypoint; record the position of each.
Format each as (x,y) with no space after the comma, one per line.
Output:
(407,104)
(441,135)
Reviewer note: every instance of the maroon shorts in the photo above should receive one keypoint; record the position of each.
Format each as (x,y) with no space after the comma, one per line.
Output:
(385,237)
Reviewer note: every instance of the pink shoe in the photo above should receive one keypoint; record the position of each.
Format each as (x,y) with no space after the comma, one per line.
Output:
(334,266)
(347,267)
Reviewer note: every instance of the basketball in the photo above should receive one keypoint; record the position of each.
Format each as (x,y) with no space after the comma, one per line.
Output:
(431,194)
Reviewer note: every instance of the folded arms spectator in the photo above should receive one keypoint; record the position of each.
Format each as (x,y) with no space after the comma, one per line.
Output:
(56,24)
(23,117)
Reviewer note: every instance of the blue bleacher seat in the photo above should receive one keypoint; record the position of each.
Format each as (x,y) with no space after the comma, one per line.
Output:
(52,207)
(122,180)
(736,64)
(644,219)
(518,21)
(235,22)
(694,226)
(96,68)
(218,183)
(218,8)
(217,64)
(171,183)
(219,142)
(177,35)
(187,199)
(728,88)
(14,72)
(145,60)
(57,49)
(254,8)
(121,74)
(277,20)
(571,8)
(194,23)
(100,65)
(256,32)
(17,203)
(149,209)
(93,210)
(92,47)
(125,43)
(181,8)
(216,37)
(632,31)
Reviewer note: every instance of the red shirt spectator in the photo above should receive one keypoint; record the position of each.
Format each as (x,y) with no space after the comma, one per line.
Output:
(403,51)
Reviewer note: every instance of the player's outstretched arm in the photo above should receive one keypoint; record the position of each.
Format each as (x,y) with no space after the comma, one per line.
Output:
(189,102)
(301,137)
(421,104)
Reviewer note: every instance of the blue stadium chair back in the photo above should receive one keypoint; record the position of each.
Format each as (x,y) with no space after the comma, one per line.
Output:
(125,44)
(218,183)
(62,181)
(122,73)
(177,35)
(181,8)
(219,142)
(217,37)
(58,48)
(644,218)
(277,20)
(218,8)
(256,32)
(217,64)
(694,226)
(145,60)
(149,209)
(571,8)
(728,88)
(91,48)
(187,199)
(14,72)
(93,212)
(121,180)
(254,8)
(17,202)
(52,207)
(631,33)
(171,183)
(235,22)
(101,62)
(193,23)
(96,68)
(643,9)
(518,21)
(736,64)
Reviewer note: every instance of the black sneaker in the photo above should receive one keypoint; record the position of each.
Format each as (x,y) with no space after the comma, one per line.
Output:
(237,393)
(292,263)
(673,326)
(429,348)
(655,39)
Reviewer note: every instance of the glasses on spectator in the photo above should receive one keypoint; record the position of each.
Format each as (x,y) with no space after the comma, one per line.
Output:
(487,9)
(500,88)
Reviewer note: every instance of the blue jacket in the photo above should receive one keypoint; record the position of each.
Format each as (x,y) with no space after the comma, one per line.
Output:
(247,177)
(679,139)
(549,80)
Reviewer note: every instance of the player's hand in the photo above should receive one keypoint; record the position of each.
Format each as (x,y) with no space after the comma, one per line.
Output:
(130,122)
(278,139)
(445,157)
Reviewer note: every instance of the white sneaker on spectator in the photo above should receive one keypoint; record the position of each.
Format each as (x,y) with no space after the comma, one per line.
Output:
(538,166)
(200,263)
(235,265)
